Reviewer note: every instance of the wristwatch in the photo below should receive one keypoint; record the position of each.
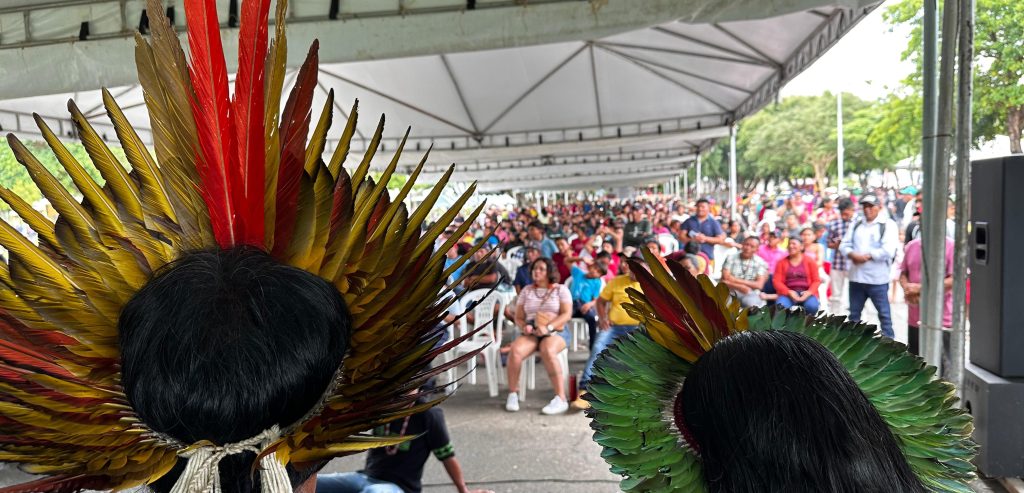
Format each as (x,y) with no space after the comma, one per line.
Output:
(550,328)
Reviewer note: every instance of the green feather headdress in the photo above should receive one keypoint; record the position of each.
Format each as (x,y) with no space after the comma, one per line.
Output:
(638,379)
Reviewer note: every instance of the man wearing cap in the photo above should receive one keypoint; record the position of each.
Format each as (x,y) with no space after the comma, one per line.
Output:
(908,197)
(870,245)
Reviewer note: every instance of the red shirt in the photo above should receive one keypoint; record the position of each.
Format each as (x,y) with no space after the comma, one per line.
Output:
(782,274)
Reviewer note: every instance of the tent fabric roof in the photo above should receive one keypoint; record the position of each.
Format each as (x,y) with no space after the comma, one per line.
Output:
(555,94)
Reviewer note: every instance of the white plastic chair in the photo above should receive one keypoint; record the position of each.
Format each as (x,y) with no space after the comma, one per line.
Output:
(578,326)
(528,374)
(515,252)
(490,340)
(668,243)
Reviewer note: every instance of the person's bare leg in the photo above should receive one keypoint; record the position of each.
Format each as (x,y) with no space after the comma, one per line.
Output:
(522,348)
(549,349)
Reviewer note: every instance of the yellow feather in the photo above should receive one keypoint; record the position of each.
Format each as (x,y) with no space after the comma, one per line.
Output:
(318,139)
(345,142)
(364,166)
(126,192)
(103,209)
(274,84)
(35,219)
(154,195)
(420,214)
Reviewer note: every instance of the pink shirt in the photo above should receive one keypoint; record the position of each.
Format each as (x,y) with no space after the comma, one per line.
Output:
(912,267)
(771,255)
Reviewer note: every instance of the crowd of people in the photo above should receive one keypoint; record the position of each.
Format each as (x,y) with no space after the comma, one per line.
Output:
(567,260)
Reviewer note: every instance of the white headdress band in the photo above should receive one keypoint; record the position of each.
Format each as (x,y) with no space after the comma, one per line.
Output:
(202,473)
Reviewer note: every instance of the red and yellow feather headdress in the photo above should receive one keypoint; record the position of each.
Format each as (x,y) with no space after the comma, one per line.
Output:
(227,171)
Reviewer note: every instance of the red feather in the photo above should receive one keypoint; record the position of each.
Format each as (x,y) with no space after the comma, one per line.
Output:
(247,185)
(212,109)
(707,305)
(669,311)
(294,131)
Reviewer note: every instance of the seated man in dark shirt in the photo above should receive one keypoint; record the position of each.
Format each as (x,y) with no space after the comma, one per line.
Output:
(483,272)
(399,469)
(523,277)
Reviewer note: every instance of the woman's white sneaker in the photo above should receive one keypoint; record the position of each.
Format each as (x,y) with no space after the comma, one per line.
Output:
(556,406)
(512,402)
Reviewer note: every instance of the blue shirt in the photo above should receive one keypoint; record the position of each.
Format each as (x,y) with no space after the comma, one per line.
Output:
(709,227)
(458,272)
(583,288)
(547,247)
(523,277)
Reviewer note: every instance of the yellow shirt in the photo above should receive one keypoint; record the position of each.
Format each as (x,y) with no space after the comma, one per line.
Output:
(615,294)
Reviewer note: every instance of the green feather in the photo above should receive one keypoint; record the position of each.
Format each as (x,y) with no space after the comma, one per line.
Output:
(636,381)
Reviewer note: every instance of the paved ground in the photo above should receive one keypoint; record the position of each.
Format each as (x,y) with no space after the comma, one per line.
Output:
(516,452)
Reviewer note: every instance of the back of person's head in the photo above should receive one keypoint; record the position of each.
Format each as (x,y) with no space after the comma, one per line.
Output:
(692,247)
(845,203)
(775,411)
(222,345)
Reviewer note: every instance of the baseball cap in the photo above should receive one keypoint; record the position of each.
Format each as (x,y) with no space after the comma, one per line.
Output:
(869,200)
(911,190)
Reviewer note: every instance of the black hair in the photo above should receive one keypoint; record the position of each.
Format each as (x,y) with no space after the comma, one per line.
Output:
(692,247)
(845,203)
(603,254)
(775,411)
(536,224)
(703,201)
(221,345)
(553,275)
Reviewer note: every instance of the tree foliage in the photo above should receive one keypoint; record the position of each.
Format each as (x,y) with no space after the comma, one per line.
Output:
(998,75)
(797,138)
(14,176)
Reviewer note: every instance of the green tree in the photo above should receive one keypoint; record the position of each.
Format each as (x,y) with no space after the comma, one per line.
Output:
(998,77)
(14,176)
(796,139)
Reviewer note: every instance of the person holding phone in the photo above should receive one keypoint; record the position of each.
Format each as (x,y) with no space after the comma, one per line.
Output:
(542,309)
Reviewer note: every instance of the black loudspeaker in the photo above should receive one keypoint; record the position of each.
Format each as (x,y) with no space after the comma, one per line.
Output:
(997,265)
(996,404)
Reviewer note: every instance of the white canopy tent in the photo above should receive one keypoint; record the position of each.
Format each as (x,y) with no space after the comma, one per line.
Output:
(537,95)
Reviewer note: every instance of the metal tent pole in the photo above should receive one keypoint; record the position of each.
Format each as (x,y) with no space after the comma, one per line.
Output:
(700,180)
(963,189)
(686,185)
(840,151)
(732,171)
(933,187)
(934,239)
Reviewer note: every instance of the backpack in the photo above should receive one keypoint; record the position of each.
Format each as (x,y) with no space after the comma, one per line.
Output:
(881,229)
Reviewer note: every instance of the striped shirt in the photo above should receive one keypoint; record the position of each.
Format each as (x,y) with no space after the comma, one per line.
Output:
(550,299)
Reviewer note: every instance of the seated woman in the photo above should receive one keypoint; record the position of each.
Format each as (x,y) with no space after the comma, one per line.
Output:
(542,309)
(796,279)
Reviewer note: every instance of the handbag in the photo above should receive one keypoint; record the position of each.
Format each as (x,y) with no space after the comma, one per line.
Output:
(542,319)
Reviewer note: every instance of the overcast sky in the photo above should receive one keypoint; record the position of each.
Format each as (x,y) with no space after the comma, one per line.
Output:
(864,62)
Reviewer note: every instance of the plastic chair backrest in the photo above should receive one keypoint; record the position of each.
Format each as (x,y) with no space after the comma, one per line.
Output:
(514,253)
(483,313)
